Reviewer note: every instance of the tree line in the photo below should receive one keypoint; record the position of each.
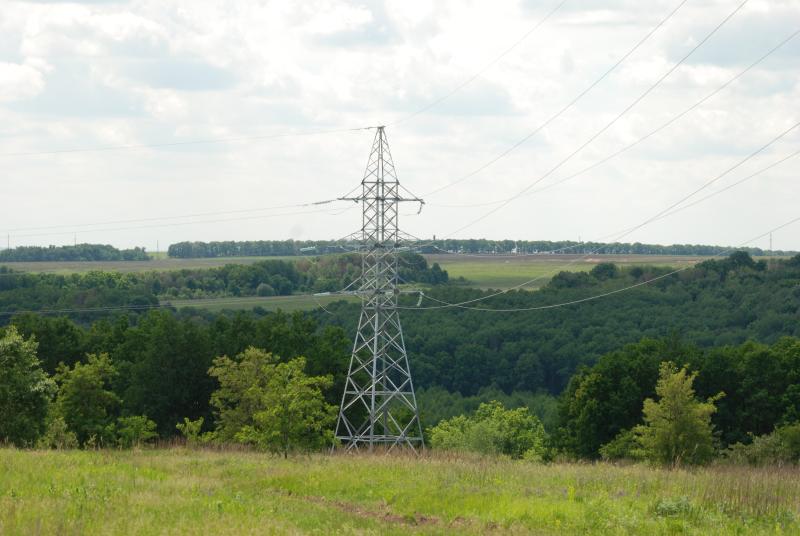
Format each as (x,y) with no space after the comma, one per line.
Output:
(96,289)
(259,248)
(723,333)
(229,382)
(79,252)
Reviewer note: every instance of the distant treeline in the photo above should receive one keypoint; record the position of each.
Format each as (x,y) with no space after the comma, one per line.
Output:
(79,252)
(272,277)
(274,248)
(254,248)
(571,247)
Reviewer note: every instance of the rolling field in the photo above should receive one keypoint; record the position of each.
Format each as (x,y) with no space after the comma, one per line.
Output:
(479,271)
(178,491)
(506,272)
(157,264)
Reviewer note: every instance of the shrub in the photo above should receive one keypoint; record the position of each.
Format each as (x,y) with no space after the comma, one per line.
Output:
(493,429)
(135,431)
(58,436)
(780,447)
(191,430)
(623,447)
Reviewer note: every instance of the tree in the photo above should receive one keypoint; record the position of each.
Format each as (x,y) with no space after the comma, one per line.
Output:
(270,404)
(493,429)
(677,429)
(85,399)
(25,390)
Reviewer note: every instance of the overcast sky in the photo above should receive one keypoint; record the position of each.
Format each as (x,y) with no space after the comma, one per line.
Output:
(99,74)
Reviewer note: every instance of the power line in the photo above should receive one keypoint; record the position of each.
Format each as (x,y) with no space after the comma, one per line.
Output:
(608,125)
(489,65)
(598,296)
(182,143)
(658,215)
(565,108)
(176,217)
(641,139)
(179,224)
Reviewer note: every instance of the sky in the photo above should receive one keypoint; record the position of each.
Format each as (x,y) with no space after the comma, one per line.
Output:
(85,84)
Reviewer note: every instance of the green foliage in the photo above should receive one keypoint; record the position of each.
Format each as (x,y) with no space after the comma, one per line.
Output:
(85,399)
(270,404)
(493,429)
(623,447)
(270,277)
(677,429)
(760,383)
(780,447)
(166,362)
(25,390)
(304,247)
(191,430)
(58,435)
(79,252)
(135,431)
(602,401)
(437,404)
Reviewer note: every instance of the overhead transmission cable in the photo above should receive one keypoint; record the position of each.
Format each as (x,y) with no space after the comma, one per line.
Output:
(488,66)
(183,143)
(174,217)
(608,125)
(604,294)
(179,224)
(424,243)
(569,105)
(651,219)
(641,139)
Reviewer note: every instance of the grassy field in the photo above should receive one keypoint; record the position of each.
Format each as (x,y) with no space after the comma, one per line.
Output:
(506,272)
(178,491)
(157,264)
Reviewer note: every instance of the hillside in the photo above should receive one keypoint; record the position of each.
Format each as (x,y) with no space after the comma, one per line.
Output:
(227,492)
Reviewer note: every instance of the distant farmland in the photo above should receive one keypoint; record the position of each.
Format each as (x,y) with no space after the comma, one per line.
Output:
(505,272)
(499,272)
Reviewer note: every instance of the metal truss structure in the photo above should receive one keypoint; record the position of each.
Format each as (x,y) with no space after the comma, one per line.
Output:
(379,408)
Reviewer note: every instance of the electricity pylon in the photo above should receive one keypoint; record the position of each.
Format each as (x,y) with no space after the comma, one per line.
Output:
(379,407)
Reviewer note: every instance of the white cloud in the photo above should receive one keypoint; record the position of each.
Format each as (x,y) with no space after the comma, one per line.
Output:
(93,74)
(19,81)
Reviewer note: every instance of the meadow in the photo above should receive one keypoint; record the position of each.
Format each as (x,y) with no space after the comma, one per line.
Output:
(180,491)
(505,272)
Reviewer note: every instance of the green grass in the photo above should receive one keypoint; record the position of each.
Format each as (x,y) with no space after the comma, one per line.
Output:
(179,491)
(506,272)
(162,262)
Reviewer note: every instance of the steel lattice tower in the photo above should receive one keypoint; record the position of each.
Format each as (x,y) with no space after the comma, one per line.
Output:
(378,404)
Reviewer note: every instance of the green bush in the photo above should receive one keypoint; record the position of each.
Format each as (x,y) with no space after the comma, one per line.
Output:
(191,430)
(135,431)
(493,429)
(780,447)
(58,436)
(623,447)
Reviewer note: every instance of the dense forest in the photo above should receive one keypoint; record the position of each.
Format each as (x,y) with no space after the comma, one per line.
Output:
(731,321)
(259,248)
(716,303)
(79,252)
(32,291)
